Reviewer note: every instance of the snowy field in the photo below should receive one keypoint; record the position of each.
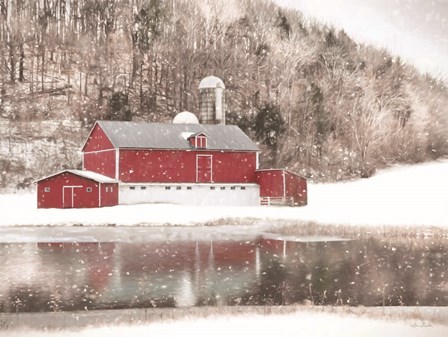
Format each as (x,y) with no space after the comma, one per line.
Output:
(403,196)
(302,323)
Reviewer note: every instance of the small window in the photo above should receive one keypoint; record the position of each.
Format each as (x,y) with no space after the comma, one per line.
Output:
(232,188)
(201,142)
(178,187)
(167,187)
(212,187)
(188,187)
(111,189)
(107,189)
(89,189)
(143,187)
(47,189)
(132,188)
(223,187)
(243,187)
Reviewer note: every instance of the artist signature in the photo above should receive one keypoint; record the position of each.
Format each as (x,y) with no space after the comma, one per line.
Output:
(420,325)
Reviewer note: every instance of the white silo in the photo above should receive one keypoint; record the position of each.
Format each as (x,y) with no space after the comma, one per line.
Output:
(212,107)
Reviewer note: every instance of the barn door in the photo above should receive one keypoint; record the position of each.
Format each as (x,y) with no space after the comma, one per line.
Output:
(69,196)
(204,173)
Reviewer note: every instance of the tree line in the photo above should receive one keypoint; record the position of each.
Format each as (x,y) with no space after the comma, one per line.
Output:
(318,103)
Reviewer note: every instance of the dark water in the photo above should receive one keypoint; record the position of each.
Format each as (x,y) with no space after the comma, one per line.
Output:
(264,270)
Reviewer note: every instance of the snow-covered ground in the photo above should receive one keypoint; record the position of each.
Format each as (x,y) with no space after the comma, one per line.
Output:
(403,196)
(297,324)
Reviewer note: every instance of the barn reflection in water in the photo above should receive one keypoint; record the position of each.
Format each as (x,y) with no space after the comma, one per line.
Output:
(263,271)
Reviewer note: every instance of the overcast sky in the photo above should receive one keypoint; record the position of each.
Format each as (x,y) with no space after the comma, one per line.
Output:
(417,30)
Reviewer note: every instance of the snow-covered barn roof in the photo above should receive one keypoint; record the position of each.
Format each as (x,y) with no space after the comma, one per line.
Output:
(172,136)
(85,174)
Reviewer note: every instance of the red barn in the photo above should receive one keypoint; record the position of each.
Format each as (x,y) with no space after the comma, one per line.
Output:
(170,153)
(76,189)
(183,162)
(281,187)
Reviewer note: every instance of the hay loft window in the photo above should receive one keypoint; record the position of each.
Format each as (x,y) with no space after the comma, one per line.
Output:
(89,189)
(198,140)
(47,189)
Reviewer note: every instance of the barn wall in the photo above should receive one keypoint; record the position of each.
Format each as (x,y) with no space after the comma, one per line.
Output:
(296,187)
(54,199)
(271,183)
(97,140)
(165,166)
(199,194)
(102,162)
(109,194)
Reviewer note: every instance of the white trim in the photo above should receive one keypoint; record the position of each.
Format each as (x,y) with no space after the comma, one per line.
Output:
(99,195)
(88,136)
(257,160)
(99,151)
(117,163)
(211,166)
(284,183)
(72,187)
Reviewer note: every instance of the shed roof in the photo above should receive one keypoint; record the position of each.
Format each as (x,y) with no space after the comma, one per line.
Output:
(85,174)
(172,136)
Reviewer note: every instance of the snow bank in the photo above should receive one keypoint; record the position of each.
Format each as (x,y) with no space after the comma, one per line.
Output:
(298,324)
(404,196)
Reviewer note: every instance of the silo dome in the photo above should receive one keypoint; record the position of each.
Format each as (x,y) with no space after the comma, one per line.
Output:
(211,82)
(185,117)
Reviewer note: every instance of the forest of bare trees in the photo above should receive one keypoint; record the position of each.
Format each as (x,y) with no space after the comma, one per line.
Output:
(318,103)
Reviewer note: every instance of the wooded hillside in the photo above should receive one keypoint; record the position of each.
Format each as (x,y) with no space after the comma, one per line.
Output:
(318,103)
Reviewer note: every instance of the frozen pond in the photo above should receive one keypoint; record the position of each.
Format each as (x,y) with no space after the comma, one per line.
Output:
(67,269)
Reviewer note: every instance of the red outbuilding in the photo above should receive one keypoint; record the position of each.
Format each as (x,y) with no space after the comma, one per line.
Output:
(281,187)
(76,189)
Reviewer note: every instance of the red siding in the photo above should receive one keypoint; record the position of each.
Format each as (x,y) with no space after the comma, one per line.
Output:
(97,140)
(296,187)
(177,166)
(81,198)
(274,185)
(271,183)
(109,194)
(101,162)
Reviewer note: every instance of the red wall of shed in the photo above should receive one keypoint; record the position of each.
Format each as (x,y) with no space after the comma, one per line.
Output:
(101,162)
(97,140)
(82,198)
(296,187)
(165,166)
(271,183)
(53,199)
(109,194)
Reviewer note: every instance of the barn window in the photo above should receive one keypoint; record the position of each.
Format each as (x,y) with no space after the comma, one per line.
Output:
(107,189)
(243,187)
(188,187)
(212,187)
(167,187)
(178,188)
(111,189)
(47,189)
(198,141)
(232,188)
(143,187)
(201,141)
(223,187)
(132,188)
(89,189)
